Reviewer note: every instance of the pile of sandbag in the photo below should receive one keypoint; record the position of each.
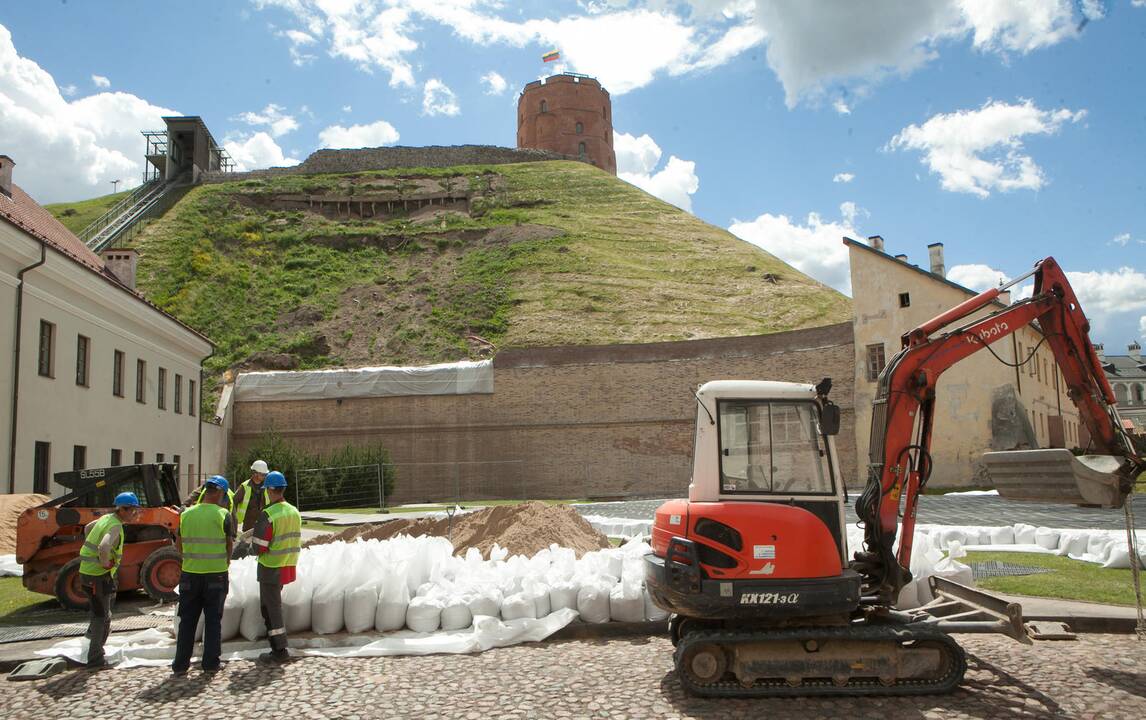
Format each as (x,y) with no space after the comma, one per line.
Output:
(419,584)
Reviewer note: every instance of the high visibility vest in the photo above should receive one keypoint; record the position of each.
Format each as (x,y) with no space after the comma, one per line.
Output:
(241,512)
(89,551)
(202,529)
(230,498)
(287,540)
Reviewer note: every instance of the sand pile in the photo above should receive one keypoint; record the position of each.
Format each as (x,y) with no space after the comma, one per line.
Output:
(522,529)
(10,508)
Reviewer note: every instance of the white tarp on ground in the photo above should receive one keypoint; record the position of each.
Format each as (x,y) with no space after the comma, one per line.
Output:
(458,378)
(9,566)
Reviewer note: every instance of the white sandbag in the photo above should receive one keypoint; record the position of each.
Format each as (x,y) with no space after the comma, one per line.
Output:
(950,568)
(393,603)
(652,612)
(593,603)
(232,616)
(456,614)
(486,601)
(922,567)
(327,616)
(1024,534)
(360,608)
(251,625)
(538,592)
(199,628)
(1046,538)
(950,535)
(1072,544)
(517,606)
(563,595)
(424,614)
(297,598)
(1002,536)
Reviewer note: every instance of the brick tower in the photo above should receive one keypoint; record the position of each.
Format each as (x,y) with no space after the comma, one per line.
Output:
(569,114)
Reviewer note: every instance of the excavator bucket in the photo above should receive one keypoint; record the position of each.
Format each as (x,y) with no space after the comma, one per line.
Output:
(1056,475)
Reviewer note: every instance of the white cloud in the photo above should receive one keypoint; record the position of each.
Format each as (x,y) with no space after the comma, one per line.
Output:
(623,47)
(841,107)
(814,46)
(1123,239)
(1093,9)
(68,150)
(494,84)
(844,177)
(373,135)
(977,151)
(1138,3)
(257,151)
(638,158)
(347,108)
(1142,320)
(68,90)
(100,81)
(438,99)
(975,276)
(271,116)
(1104,291)
(299,40)
(815,247)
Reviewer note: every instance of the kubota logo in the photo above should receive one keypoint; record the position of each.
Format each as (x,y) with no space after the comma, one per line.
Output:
(986,335)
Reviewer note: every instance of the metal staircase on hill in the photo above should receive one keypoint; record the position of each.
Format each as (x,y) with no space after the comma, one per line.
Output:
(146,201)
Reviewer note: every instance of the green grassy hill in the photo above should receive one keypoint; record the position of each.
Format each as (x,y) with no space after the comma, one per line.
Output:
(78,215)
(546,253)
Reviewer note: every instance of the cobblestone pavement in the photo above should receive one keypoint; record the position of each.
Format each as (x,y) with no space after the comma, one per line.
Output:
(948,510)
(1099,676)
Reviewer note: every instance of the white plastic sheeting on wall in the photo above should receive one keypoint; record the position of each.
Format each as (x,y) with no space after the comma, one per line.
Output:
(457,378)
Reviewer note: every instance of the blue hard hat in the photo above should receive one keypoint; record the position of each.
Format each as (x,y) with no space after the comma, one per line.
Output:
(275,479)
(126,499)
(219,481)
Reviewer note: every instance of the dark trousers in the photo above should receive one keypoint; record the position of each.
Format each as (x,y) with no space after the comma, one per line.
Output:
(271,604)
(100,592)
(200,594)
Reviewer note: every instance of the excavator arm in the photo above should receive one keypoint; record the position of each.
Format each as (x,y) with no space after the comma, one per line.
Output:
(904,411)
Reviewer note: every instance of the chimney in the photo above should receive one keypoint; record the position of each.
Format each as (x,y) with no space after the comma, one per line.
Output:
(901,258)
(935,251)
(6,165)
(1135,351)
(1100,351)
(121,263)
(876,242)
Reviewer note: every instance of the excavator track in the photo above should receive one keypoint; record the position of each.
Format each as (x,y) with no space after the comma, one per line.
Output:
(853,660)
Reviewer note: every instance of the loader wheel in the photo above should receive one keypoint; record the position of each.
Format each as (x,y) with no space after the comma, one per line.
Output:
(159,574)
(68,589)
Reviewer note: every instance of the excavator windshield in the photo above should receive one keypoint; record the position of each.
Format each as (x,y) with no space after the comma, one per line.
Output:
(769,447)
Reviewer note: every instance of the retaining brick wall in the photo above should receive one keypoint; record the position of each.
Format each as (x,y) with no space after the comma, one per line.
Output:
(596,421)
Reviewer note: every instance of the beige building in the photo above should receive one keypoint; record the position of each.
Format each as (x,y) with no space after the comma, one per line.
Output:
(1127,376)
(891,296)
(101,377)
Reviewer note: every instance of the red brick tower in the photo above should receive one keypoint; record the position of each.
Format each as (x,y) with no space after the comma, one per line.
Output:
(569,114)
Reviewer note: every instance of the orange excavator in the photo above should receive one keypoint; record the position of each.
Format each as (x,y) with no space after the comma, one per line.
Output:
(753,565)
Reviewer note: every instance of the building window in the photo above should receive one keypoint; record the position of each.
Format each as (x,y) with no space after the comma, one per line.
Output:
(581,150)
(178,461)
(159,457)
(544,106)
(79,457)
(161,391)
(580,128)
(116,457)
(875,361)
(192,401)
(138,457)
(178,393)
(117,374)
(140,381)
(83,347)
(1038,370)
(1139,394)
(47,341)
(905,299)
(41,467)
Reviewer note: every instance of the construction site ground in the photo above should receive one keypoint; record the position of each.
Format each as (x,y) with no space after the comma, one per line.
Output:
(1097,676)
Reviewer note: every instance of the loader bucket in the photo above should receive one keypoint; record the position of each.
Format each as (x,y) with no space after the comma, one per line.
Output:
(1057,476)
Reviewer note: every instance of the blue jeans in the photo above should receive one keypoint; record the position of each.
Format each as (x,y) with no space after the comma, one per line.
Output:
(200,594)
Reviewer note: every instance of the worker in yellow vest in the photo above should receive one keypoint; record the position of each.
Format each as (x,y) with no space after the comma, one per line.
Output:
(206,535)
(99,560)
(248,504)
(277,538)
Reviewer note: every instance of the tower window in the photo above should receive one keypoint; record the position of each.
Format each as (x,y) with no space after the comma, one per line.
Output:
(580,128)
(904,300)
(544,106)
(581,150)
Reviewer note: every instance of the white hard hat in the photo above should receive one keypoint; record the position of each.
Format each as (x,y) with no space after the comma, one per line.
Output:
(260,466)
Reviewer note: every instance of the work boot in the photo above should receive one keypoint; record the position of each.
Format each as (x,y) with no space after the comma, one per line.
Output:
(277,657)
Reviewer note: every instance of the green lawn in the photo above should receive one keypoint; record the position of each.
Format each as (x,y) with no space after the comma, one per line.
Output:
(15,602)
(78,215)
(1071,579)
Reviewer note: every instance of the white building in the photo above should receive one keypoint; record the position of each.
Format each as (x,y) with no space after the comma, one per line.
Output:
(91,374)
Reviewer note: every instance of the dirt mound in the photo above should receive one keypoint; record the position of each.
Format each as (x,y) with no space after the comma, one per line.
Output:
(10,508)
(522,529)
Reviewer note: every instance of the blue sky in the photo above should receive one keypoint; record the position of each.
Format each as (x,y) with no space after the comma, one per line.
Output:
(1009,131)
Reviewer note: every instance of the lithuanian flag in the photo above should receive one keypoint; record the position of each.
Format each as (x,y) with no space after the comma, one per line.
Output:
(550,56)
